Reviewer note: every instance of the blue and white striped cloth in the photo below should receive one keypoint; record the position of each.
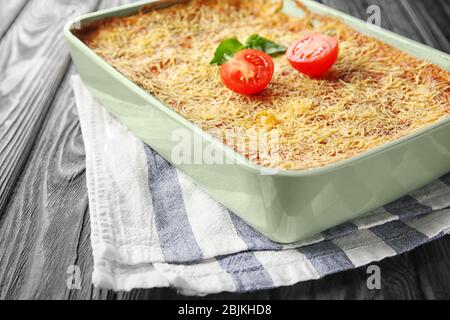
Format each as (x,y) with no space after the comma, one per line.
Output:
(152,227)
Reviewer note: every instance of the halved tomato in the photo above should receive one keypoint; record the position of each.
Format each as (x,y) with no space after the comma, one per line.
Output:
(314,54)
(248,72)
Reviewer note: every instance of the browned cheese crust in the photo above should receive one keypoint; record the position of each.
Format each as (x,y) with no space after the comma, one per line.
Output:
(373,95)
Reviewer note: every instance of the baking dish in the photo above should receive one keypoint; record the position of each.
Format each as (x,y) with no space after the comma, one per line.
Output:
(286,206)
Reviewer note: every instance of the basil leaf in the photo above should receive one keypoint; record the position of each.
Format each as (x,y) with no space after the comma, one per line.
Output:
(229,47)
(259,43)
(226,51)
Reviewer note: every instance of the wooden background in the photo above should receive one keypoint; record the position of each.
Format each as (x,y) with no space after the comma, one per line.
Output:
(44,213)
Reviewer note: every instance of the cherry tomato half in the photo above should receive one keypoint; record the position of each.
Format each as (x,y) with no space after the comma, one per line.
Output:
(248,72)
(314,54)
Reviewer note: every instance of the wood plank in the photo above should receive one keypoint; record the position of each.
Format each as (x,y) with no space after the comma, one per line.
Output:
(432,263)
(45,228)
(426,25)
(10,11)
(42,225)
(33,60)
(440,12)
(391,11)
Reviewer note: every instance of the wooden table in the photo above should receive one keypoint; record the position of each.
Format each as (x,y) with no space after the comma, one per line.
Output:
(44,213)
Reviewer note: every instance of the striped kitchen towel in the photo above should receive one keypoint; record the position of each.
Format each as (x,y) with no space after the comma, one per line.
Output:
(152,227)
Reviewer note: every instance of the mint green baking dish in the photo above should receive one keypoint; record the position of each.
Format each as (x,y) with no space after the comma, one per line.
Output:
(286,206)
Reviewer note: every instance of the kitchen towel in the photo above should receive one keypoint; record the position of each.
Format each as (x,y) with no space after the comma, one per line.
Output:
(152,227)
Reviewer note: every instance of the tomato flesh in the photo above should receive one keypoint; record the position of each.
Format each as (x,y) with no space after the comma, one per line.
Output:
(248,72)
(314,54)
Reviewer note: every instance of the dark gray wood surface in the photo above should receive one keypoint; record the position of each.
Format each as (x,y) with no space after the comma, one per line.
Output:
(44,214)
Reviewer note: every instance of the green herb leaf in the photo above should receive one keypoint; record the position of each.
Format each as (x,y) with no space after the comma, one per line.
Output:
(229,47)
(265,45)
(226,50)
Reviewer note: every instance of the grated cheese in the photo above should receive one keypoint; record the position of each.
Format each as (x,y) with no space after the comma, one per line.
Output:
(373,95)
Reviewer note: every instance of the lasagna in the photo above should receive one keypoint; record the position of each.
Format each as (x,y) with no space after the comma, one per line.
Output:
(373,95)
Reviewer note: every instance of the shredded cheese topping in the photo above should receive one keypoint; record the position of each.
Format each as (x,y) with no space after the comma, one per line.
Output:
(373,95)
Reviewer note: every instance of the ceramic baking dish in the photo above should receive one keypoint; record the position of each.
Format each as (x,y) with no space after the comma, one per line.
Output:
(286,206)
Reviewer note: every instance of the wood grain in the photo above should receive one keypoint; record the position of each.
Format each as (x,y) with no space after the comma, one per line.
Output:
(432,264)
(9,12)
(440,13)
(45,223)
(40,231)
(33,60)
(45,228)
(426,25)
